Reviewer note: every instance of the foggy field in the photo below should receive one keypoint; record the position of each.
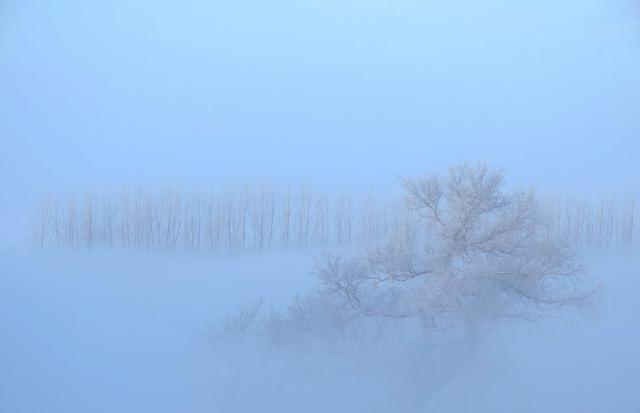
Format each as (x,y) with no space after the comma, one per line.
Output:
(385,206)
(106,332)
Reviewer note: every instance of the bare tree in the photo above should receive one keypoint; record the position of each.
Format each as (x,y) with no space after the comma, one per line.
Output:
(72,222)
(262,216)
(41,222)
(286,217)
(474,252)
(303,215)
(108,217)
(88,221)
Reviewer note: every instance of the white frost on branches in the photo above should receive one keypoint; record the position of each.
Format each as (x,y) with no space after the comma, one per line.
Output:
(472,252)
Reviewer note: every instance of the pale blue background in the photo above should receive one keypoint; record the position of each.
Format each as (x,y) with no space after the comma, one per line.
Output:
(343,92)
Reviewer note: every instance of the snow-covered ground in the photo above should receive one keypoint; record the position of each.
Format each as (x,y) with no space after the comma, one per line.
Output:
(116,332)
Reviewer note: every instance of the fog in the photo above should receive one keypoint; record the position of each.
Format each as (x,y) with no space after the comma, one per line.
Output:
(342,96)
(87,332)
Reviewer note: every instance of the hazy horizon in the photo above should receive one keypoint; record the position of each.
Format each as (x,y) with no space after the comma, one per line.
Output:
(341,93)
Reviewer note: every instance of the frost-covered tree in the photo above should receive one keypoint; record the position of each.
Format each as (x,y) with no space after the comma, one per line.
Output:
(464,252)
(470,251)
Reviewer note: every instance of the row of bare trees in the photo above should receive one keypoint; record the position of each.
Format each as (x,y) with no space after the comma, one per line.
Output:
(232,219)
(248,217)
(597,223)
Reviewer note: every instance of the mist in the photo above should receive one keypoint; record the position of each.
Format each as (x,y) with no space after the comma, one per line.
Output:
(328,101)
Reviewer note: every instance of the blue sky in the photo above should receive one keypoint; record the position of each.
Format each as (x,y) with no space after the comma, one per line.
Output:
(345,93)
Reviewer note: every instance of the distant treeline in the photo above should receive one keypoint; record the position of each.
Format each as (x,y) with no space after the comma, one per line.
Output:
(232,219)
(604,222)
(254,217)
